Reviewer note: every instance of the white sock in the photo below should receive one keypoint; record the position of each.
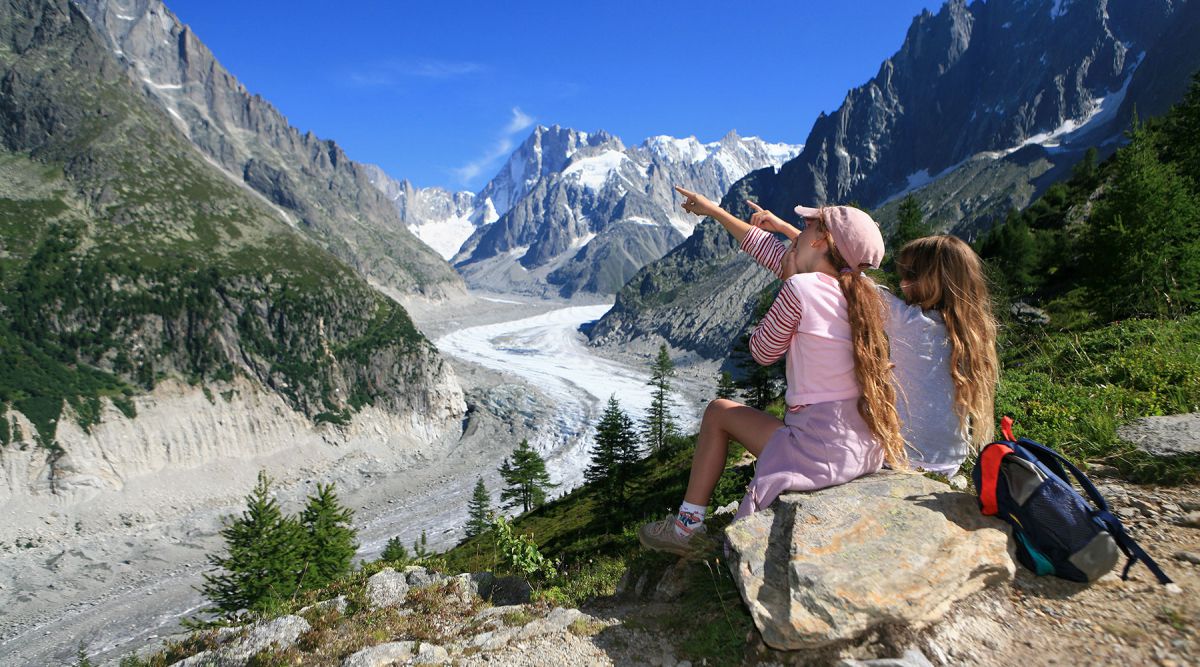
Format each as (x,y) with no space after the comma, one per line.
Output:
(689,518)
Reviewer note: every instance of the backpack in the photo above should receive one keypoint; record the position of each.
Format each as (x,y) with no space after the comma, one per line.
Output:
(1056,530)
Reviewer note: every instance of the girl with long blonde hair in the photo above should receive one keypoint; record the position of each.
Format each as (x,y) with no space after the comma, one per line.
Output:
(943,343)
(829,321)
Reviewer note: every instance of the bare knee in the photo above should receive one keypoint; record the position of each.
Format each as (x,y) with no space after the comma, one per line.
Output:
(718,408)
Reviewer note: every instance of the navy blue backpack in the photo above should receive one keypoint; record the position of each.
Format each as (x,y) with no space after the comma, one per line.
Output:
(1057,531)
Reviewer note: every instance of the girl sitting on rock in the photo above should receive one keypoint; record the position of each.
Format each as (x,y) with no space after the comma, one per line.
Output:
(828,319)
(943,343)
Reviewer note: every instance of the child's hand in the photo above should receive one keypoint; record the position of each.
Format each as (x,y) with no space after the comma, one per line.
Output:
(697,204)
(766,220)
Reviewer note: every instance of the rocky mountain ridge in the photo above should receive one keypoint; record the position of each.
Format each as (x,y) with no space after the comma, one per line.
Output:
(130,261)
(599,210)
(983,106)
(311,183)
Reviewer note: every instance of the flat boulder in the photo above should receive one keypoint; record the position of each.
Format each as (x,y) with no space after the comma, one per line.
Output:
(895,548)
(1169,436)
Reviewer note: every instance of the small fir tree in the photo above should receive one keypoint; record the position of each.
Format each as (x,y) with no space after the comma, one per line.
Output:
(658,425)
(264,551)
(330,545)
(479,510)
(612,458)
(725,385)
(394,551)
(910,224)
(421,547)
(525,478)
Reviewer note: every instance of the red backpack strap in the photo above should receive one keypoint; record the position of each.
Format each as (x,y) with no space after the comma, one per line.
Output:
(989,466)
(1006,424)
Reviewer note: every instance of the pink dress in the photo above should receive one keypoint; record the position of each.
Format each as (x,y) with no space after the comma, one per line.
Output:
(824,441)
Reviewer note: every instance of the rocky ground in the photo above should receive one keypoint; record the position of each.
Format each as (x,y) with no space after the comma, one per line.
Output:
(415,617)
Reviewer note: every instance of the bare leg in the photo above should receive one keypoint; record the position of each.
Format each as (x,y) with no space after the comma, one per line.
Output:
(725,419)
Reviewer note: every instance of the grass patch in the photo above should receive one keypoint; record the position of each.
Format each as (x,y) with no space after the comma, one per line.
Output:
(1072,390)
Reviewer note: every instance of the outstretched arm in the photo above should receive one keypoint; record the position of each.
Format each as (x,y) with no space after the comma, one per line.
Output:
(698,204)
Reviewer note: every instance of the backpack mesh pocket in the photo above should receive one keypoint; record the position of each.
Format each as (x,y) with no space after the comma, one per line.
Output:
(1060,521)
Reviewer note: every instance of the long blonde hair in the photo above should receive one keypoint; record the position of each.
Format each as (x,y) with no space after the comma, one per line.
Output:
(946,275)
(872,360)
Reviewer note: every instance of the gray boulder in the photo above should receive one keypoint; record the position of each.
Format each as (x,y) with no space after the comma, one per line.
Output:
(279,633)
(383,654)
(387,588)
(893,548)
(1173,435)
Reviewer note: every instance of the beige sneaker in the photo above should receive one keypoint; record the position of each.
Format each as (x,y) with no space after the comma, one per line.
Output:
(661,536)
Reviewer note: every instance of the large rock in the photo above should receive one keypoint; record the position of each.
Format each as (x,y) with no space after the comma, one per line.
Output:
(892,548)
(280,633)
(1173,435)
(387,588)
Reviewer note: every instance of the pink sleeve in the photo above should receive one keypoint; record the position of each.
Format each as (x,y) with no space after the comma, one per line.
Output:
(765,249)
(774,332)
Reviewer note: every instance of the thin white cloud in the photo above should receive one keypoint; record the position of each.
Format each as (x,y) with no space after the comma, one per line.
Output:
(501,148)
(392,72)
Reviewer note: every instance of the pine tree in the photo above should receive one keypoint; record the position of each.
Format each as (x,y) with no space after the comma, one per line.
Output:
(525,478)
(1143,249)
(263,561)
(421,547)
(479,510)
(910,224)
(725,386)
(1011,248)
(658,425)
(613,456)
(330,545)
(394,551)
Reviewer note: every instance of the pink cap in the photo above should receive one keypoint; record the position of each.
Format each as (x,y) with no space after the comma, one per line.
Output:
(856,235)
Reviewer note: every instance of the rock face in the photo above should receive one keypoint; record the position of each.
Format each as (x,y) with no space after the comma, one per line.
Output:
(140,281)
(1173,435)
(310,181)
(592,222)
(982,107)
(822,568)
(238,649)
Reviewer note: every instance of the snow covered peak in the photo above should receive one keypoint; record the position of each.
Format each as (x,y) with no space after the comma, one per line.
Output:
(732,150)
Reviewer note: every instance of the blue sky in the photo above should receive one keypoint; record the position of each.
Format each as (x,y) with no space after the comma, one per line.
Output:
(440,92)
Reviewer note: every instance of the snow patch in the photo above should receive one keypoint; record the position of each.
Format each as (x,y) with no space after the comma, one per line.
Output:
(582,240)
(489,212)
(162,86)
(593,172)
(444,236)
(124,17)
(639,220)
(684,226)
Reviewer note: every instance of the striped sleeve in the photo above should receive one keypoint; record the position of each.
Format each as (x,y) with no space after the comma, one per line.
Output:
(765,248)
(774,332)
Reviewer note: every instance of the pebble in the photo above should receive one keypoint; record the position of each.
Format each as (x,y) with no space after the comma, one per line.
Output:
(1190,520)
(1188,557)
(1143,505)
(1189,505)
